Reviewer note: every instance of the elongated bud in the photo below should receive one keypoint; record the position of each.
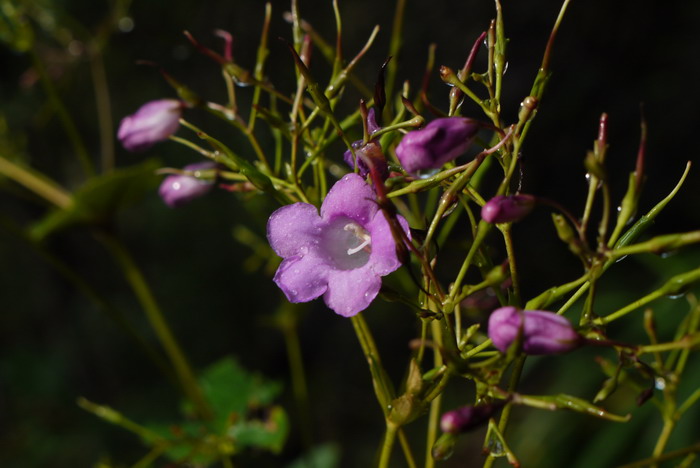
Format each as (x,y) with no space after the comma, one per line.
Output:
(154,121)
(467,417)
(507,209)
(542,332)
(179,189)
(439,142)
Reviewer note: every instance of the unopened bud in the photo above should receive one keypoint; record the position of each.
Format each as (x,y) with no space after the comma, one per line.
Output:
(154,121)
(467,417)
(541,332)
(439,142)
(507,209)
(179,189)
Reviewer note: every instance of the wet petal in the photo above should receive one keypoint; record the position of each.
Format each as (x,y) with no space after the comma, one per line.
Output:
(351,197)
(383,259)
(292,229)
(351,291)
(302,279)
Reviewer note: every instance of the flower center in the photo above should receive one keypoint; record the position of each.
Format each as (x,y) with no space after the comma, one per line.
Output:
(346,244)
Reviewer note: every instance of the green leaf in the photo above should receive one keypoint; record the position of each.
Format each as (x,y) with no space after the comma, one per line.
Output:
(232,391)
(269,433)
(100,197)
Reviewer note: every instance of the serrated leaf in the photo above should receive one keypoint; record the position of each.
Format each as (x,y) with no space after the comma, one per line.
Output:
(232,391)
(99,198)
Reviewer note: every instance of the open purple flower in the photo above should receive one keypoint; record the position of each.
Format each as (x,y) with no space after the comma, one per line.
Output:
(179,189)
(154,121)
(340,254)
(507,209)
(441,141)
(543,332)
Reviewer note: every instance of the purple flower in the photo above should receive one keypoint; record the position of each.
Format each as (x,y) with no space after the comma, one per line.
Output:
(467,417)
(507,209)
(340,254)
(542,332)
(179,189)
(441,141)
(154,121)
(370,151)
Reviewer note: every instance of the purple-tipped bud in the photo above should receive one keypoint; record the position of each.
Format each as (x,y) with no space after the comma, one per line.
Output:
(542,332)
(441,141)
(507,209)
(154,121)
(179,189)
(466,418)
(368,153)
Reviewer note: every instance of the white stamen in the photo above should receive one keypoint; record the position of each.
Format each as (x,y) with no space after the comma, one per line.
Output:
(360,234)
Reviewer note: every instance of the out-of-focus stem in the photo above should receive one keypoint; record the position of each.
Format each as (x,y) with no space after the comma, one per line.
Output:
(63,115)
(36,182)
(395,47)
(435,404)
(155,316)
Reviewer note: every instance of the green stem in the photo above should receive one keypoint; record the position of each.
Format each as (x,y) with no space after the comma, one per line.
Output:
(389,439)
(296,367)
(505,414)
(669,425)
(380,380)
(155,316)
(395,48)
(36,182)
(512,264)
(63,115)
(435,404)
(665,457)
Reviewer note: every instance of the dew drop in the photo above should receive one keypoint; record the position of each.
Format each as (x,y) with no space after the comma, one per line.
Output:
(676,296)
(660,383)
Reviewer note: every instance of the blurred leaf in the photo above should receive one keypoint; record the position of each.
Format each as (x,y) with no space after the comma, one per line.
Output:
(15,30)
(100,197)
(269,433)
(233,391)
(324,456)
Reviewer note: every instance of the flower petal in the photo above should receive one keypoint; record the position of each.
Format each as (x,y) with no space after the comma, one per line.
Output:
(351,197)
(351,291)
(383,259)
(293,228)
(302,279)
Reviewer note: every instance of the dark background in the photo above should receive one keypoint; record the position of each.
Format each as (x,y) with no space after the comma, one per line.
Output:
(55,346)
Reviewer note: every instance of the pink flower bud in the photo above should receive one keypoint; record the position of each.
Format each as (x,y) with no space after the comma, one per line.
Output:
(154,121)
(507,209)
(542,332)
(179,189)
(441,141)
(467,417)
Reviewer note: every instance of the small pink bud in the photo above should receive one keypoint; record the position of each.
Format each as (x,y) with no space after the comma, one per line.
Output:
(179,189)
(542,332)
(507,209)
(154,121)
(439,142)
(467,417)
